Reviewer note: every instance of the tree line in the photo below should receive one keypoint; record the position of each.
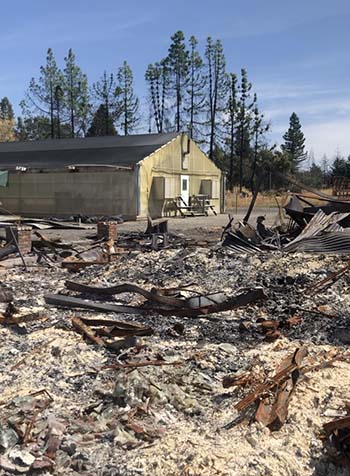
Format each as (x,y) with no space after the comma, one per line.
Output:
(187,91)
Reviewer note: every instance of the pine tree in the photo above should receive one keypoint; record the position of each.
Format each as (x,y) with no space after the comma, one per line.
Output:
(7,121)
(178,64)
(157,77)
(33,128)
(98,124)
(42,94)
(104,92)
(259,128)
(195,94)
(231,112)
(127,102)
(294,142)
(59,106)
(340,166)
(313,177)
(245,107)
(6,109)
(77,95)
(216,88)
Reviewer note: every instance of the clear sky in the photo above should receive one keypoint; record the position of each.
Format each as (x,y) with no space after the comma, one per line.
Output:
(296,52)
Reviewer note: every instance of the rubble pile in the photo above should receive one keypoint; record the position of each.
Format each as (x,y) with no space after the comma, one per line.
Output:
(183,359)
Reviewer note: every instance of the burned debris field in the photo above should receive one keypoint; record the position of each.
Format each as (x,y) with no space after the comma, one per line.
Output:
(212,352)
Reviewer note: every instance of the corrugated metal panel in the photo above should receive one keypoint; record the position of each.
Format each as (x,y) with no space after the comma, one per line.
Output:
(330,242)
(320,222)
(238,245)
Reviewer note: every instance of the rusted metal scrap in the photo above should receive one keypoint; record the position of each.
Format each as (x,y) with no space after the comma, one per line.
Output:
(21,319)
(87,332)
(270,328)
(273,329)
(52,244)
(28,426)
(119,328)
(325,283)
(337,439)
(274,414)
(240,380)
(97,255)
(39,405)
(231,303)
(125,288)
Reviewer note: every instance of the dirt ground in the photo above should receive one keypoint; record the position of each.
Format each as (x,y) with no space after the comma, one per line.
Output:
(195,226)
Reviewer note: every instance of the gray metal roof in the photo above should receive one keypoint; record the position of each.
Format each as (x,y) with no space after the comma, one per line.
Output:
(59,153)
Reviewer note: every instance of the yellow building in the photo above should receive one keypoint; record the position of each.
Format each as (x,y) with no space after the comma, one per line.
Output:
(133,176)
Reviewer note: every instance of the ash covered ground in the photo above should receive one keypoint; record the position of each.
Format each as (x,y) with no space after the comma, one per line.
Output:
(174,419)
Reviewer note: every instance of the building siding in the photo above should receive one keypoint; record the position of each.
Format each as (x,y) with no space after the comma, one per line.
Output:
(71,193)
(167,162)
(128,192)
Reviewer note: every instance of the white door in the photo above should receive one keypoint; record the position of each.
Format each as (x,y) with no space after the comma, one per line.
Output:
(185,188)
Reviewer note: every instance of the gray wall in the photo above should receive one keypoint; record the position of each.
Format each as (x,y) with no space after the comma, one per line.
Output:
(68,193)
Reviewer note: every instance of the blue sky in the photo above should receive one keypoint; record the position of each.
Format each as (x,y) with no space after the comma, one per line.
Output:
(296,52)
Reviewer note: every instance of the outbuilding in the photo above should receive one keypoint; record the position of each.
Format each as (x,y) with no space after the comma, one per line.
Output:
(133,176)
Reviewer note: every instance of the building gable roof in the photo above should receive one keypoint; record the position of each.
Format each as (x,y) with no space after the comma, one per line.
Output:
(60,153)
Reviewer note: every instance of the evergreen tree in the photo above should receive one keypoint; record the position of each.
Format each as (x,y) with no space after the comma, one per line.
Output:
(270,161)
(340,167)
(157,77)
(313,177)
(33,128)
(231,113)
(42,94)
(221,158)
(294,142)
(59,106)
(104,92)
(216,88)
(127,102)
(244,116)
(195,94)
(7,121)
(259,128)
(6,110)
(77,95)
(98,125)
(178,65)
